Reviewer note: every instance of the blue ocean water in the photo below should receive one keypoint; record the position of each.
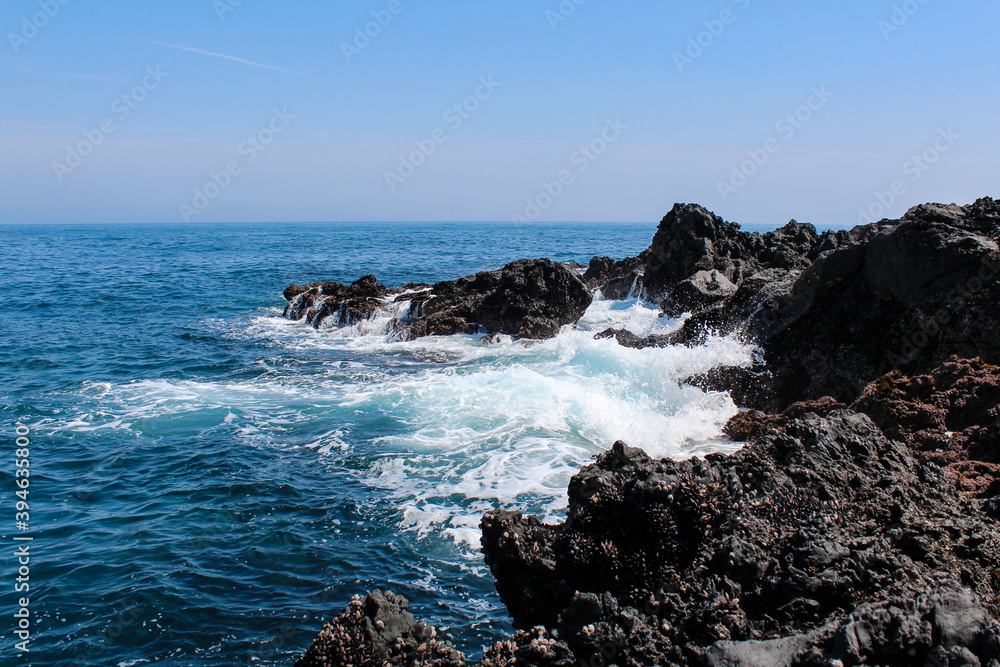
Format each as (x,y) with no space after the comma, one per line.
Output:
(210,482)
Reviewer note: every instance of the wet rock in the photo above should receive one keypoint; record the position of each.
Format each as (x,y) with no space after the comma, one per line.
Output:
(526,298)
(626,338)
(704,288)
(615,279)
(379,630)
(346,304)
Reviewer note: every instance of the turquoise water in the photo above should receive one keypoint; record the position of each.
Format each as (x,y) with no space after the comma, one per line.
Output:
(210,482)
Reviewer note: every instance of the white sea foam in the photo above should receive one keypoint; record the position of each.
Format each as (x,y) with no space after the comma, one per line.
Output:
(449,427)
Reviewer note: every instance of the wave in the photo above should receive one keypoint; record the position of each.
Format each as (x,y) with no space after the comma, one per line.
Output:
(445,428)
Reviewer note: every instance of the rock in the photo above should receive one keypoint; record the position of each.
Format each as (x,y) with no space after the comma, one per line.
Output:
(950,416)
(691,239)
(664,559)
(700,263)
(348,304)
(945,626)
(626,338)
(617,280)
(916,293)
(526,298)
(379,630)
(700,290)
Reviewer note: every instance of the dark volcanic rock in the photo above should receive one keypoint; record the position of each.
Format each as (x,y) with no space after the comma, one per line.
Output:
(347,304)
(950,416)
(379,630)
(615,279)
(916,293)
(662,559)
(691,239)
(945,626)
(704,288)
(526,298)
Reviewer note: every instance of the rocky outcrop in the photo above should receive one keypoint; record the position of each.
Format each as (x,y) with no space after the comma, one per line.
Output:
(526,298)
(859,524)
(912,295)
(832,312)
(950,416)
(621,279)
(346,304)
(700,291)
(662,560)
(691,239)
(379,630)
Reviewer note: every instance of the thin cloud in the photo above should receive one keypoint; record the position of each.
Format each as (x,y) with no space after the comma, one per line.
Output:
(228,57)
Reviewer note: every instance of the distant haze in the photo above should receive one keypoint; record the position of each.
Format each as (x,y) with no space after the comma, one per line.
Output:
(229,110)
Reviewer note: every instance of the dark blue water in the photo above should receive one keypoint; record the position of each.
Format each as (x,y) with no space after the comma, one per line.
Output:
(208,485)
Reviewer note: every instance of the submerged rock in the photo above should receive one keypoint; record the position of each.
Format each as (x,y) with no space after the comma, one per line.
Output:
(526,298)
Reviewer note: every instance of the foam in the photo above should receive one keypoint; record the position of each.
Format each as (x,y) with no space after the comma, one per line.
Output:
(449,427)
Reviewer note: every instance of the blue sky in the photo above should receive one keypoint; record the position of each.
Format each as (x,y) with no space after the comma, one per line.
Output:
(671,102)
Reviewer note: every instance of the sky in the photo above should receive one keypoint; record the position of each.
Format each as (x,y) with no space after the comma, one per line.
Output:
(575,110)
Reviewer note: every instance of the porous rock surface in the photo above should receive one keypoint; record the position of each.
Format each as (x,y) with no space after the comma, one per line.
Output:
(379,630)
(526,298)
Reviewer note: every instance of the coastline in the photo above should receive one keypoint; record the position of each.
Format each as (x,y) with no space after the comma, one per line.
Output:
(859,523)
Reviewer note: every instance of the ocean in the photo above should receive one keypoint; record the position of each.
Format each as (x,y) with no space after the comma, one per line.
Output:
(210,483)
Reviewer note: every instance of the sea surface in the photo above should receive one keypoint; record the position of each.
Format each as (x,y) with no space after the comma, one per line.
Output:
(210,483)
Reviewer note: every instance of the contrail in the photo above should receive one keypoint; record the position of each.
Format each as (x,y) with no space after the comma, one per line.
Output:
(227,57)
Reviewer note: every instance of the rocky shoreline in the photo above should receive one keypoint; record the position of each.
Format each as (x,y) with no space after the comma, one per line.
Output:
(858,525)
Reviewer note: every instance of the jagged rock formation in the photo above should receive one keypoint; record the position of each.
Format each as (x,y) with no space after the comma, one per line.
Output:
(908,298)
(615,279)
(950,416)
(526,298)
(379,630)
(664,559)
(833,311)
(859,525)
